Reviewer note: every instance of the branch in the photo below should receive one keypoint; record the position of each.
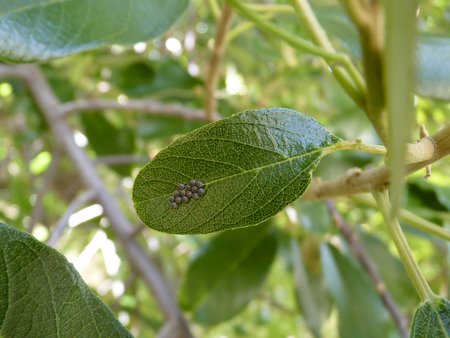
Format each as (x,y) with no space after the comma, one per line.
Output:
(421,154)
(369,19)
(149,107)
(215,61)
(121,159)
(63,222)
(369,266)
(139,260)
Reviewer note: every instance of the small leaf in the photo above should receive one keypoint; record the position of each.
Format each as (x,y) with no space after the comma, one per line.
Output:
(254,164)
(38,30)
(42,295)
(432,320)
(227,273)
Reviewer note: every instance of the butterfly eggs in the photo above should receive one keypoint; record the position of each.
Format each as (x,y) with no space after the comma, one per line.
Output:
(185,192)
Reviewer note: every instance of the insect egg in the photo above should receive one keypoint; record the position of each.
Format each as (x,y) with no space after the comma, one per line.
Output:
(201,191)
(188,194)
(181,186)
(192,182)
(171,199)
(195,196)
(182,192)
(176,193)
(199,184)
(194,189)
(178,199)
(184,199)
(174,205)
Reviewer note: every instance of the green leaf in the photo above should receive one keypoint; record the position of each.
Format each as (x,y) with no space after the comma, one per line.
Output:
(228,272)
(42,295)
(39,30)
(254,164)
(399,74)
(361,313)
(432,320)
(107,139)
(145,77)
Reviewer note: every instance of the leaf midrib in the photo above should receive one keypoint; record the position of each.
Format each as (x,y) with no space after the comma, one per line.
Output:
(318,150)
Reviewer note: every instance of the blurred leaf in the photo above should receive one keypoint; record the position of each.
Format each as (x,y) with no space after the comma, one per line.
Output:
(399,75)
(228,272)
(434,67)
(314,216)
(310,290)
(107,139)
(391,270)
(40,163)
(39,30)
(432,320)
(144,78)
(154,127)
(361,313)
(253,164)
(42,295)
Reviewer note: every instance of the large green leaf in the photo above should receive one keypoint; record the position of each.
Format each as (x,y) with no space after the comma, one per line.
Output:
(42,295)
(432,320)
(253,163)
(42,29)
(228,272)
(361,312)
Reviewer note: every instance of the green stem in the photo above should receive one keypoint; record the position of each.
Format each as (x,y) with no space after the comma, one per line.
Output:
(309,19)
(355,145)
(272,8)
(215,9)
(416,276)
(286,36)
(410,218)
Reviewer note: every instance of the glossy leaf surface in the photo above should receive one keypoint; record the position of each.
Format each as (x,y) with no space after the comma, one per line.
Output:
(254,164)
(39,30)
(42,295)
(432,320)
(228,272)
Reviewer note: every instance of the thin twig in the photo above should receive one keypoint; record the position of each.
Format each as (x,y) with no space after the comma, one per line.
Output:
(148,107)
(424,133)
(370,268)
(121,159)
(175,325)
(38,207)
(409,218)
(215,61)
(75,205)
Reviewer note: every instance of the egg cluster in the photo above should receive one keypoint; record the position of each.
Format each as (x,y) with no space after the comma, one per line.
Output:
(194,189)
